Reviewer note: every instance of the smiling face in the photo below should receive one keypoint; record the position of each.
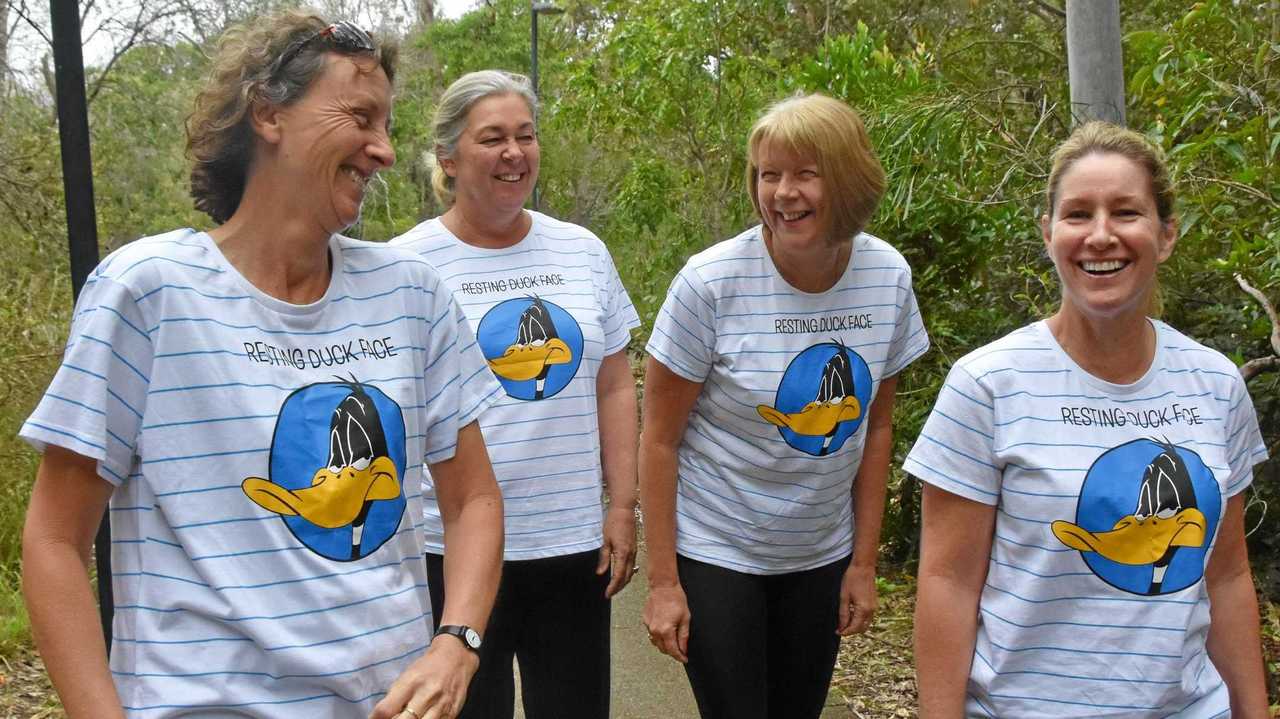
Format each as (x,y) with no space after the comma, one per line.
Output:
(495,164)
(334,139)
(1106,237)
(792,198)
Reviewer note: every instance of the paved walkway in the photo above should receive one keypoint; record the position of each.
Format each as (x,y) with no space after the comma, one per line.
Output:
(646,683)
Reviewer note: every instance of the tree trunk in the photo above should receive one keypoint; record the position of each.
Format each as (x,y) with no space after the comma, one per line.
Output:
(1095,65)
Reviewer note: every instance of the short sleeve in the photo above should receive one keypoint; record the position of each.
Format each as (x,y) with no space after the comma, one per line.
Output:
(95,403)
(684,334)
(1245,447)
(956,449)
(620,315)
(458,383)
(910,340)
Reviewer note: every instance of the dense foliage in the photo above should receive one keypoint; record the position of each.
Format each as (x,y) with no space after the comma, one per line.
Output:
(646,108)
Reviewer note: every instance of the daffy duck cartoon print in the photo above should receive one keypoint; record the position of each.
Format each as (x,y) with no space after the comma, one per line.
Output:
(1159,547)
(338,490)
(533,346)
(822,398)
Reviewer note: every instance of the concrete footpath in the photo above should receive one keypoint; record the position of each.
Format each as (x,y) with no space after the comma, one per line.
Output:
(646,683)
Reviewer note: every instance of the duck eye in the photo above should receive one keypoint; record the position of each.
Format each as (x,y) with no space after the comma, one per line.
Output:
(361,464)
(1166,513)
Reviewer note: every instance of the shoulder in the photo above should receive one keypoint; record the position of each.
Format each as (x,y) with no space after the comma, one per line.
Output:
(385,261)
(425,237)
(1024,347)
(566,237)
(871,252)
(149,263)
(1183,354)
(727,257)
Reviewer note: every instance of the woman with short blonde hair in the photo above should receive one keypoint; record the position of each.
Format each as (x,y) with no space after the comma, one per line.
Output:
(768,424)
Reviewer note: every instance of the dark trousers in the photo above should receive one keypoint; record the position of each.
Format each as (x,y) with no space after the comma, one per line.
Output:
(761,647)
(551,615)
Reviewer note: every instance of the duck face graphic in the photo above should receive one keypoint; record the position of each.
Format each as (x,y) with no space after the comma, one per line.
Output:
(533,346)
(821,399)
(359,474)
(1175,502)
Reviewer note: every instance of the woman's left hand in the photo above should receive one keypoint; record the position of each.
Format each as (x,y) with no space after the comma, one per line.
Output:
(619,550)
(434,686)
(858,600)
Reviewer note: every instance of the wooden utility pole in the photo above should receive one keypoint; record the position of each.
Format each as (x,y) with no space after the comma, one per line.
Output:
(1095,65)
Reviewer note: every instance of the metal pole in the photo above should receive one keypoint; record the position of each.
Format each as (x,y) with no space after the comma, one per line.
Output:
(533,75)
(1095,64)
(82,231)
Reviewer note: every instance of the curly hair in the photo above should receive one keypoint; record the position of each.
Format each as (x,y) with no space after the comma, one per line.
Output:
(219,129)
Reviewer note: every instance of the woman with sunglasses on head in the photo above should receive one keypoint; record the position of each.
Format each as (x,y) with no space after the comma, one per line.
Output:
(256,402)
(768,427)
(553,321)
(1083,546)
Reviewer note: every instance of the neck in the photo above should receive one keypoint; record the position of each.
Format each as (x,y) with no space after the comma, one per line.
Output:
(482,227)
(276,250)
(1117,349)
(814,270)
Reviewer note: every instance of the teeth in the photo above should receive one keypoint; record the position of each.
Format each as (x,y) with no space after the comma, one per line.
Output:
(509,178)
(356,177)
(1103,266)
(792,216)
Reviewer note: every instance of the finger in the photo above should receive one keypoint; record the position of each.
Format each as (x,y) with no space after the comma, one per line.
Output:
(606,553)
(617,580)
(682,640)
(844,616)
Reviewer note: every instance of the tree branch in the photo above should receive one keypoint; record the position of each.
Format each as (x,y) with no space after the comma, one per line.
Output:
(1267,307)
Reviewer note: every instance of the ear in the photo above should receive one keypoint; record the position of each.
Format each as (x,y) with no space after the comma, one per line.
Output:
(1046,227)
(447,164)
(266,121)
(1167,239)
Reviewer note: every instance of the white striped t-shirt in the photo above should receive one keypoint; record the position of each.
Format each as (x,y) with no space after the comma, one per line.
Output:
(267,459)
(1108,499)
(767,462)
(546,311)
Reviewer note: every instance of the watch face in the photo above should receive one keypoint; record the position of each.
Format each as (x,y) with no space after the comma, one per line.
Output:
(473,639)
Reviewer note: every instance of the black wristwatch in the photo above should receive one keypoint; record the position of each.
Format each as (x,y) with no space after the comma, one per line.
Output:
(469,637)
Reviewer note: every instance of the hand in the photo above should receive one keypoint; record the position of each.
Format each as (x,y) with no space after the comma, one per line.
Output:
(858,600)
(434,686)
(618,553)
(666,616)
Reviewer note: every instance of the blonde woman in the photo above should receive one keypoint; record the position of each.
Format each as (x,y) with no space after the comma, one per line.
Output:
(767,423)
(1083,545)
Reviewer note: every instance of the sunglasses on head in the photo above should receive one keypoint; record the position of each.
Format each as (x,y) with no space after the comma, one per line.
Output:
(342,36)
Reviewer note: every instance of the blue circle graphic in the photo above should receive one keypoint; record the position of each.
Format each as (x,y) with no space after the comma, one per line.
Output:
(1110,493)
(499,331)
(301,446)
(800,386)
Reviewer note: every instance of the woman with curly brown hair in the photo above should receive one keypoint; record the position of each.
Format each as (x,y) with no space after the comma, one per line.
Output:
(255,404)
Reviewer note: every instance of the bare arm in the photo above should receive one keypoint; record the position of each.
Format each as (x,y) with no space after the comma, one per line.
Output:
(435,686)
(858,598)
(67,503)
(955,547)
(616,407)
(1235,641)
(668,400)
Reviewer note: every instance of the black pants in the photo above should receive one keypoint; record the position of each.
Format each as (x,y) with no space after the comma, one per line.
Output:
(551,614)
(761,647)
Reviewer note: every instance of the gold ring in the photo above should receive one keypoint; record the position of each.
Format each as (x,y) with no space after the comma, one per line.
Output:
(407,710)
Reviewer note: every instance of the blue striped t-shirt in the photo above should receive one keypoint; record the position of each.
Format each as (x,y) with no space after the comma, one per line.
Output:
(267,459)
(766,466)
(1108,499)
